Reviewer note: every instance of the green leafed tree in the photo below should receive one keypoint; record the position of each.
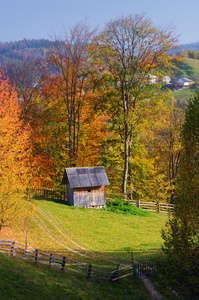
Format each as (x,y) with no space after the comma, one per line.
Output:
(181,238)
(133,53)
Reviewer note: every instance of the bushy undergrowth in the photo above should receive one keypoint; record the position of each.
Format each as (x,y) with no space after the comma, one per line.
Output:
(123,207)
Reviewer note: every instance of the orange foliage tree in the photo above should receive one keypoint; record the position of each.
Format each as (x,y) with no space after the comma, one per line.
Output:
(15,152)
(71,82)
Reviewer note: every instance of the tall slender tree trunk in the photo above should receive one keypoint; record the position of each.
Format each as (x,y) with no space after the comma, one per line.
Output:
(126,162)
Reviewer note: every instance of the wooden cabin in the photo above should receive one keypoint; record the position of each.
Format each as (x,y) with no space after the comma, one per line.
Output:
(86,186)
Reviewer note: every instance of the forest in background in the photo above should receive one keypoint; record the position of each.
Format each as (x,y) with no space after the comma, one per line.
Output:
(76,119)
(16,51)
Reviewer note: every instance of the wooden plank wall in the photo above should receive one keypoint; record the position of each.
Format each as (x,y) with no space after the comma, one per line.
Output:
(94,196)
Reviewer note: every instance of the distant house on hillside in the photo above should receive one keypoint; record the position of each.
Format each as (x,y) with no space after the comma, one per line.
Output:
(181,82)
(86,186)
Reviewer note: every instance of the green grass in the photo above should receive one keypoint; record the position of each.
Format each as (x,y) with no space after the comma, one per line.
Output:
(103,237)
(187,68)
(183,96)
(193,66)
(24,280)
(100,235)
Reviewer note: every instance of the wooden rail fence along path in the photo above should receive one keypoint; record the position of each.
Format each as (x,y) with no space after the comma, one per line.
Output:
(55,260)
(87,270)
(61,195)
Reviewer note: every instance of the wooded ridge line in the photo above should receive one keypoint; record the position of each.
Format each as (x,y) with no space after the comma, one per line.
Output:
(61,195)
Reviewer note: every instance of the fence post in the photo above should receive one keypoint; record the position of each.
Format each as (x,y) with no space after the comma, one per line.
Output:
(50,259)
(12,249)
(63,263)
(158,206)
(36,255)
(133,265)
(115,275)
(89,271)
(134,269)
(138,203)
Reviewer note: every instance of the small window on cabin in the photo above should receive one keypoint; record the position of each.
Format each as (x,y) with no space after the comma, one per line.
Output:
(89,190)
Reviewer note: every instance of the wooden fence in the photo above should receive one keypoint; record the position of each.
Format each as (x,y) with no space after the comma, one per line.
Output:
(47,193)
(150,206)
(55,260)
(86,270)
(61,195)
(153,206)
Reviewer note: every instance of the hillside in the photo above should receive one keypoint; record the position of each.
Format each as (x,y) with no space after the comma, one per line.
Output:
(26,281)
(193,46)
(97,234)
(13,52)
(93,236)
(188,68)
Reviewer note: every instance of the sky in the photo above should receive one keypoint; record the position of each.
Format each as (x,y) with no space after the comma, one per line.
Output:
(46,19)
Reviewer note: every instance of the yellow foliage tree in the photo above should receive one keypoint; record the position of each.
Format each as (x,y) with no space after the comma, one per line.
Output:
(15,152)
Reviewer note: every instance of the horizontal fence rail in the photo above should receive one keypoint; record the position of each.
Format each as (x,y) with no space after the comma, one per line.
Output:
(87,270)
(61,195)
(150,206)
(55,260)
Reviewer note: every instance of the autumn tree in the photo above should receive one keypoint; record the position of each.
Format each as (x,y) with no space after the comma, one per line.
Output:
(15,153)
(24,219)
(162,142)
(71,81)
(132,50)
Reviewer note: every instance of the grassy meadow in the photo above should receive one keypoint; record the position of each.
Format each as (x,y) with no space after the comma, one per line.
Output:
(187,68)
(26,281)
(99,237)
(92,234)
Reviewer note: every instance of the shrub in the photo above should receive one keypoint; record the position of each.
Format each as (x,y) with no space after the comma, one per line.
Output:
(123,207)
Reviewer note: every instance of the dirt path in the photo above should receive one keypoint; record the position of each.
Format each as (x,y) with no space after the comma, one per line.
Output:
(149,285)
(52,221)
(43,227)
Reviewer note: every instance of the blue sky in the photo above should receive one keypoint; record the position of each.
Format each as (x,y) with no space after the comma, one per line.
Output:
(29,19)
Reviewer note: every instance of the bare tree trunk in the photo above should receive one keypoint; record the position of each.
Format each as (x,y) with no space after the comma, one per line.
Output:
(126,162)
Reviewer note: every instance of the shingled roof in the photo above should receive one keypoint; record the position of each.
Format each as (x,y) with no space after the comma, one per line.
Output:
(85,177)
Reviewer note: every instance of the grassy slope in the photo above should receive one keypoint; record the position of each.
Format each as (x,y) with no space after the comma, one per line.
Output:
(104,237)
(98,234)
(23,280)
(188,68)
(193,65)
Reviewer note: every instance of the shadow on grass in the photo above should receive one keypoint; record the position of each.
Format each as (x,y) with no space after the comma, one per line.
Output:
(25,280)
(42,198)
(184,70)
